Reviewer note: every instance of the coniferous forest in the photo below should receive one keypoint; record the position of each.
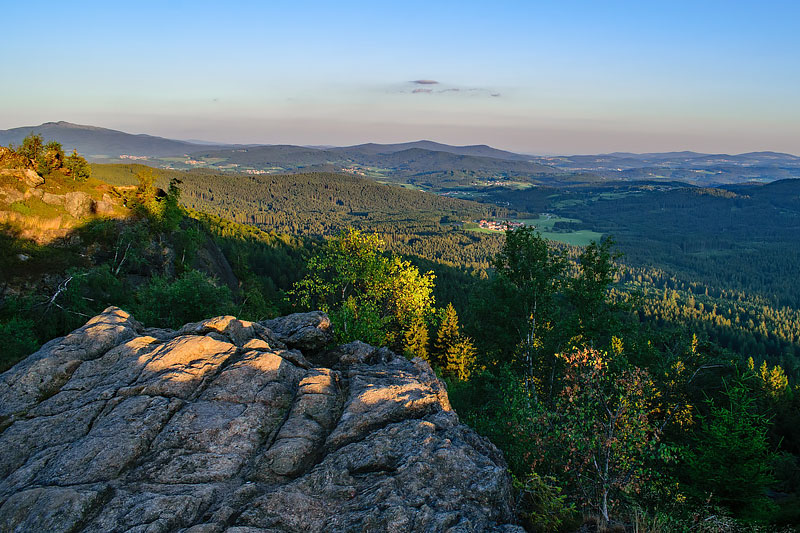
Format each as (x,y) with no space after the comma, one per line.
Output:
(647,378)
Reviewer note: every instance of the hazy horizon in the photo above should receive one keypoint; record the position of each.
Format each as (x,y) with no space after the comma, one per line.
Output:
(577,78)
(202,142)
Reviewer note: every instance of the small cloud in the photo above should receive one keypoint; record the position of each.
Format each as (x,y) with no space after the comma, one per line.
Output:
(435,87)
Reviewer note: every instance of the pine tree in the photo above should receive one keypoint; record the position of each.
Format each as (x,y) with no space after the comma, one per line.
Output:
(77,167)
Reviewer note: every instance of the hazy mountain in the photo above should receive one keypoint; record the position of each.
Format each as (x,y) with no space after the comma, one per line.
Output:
(93,141)
(692,167)
(479,150)
(625,160)
(419,160)
(282,155)
(429,163)
(410,161)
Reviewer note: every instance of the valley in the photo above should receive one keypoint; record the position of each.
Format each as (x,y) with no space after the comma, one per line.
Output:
(664,274)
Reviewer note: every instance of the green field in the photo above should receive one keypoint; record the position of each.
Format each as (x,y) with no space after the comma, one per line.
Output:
(575,238)
(616,195)
(544,223)
(478,229)
(545,227)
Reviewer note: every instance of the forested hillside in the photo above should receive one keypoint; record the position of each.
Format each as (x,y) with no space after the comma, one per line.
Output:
(412,222)
(724,259)
(566,357)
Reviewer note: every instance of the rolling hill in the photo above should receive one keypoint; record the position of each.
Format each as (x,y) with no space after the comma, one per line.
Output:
(98,143)
(426,164)
(481,150)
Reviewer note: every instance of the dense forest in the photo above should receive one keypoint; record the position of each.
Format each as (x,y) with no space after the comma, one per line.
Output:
(745,272)
(651,389)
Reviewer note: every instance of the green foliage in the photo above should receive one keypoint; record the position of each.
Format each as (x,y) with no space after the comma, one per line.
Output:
(19,340)
(131,264)
(415,340)
(367,293)
(172,303)
(729,462)
(31,147)
(254,306)
(600,432)
(460,358)
(162,209)
(495,403)
(147,201)
(446,335)
(453,352)
(22,208)
(50,158)
(542,507)
(594,317)
(641,406)
(46,157)
(773,382)
(360,319)
(534,269)
(85,294)
(325,204)
(77,167)
(186,242)
(171,213)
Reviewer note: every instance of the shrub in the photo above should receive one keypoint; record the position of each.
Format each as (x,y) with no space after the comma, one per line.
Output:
(19,341)
(189,298)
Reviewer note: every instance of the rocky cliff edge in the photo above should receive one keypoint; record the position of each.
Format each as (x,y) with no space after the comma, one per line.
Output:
(241,427)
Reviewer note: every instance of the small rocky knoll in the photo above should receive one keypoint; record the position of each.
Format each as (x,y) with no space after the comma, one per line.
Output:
(238,427)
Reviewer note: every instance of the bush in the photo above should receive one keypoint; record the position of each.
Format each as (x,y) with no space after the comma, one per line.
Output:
(730,463)
(494,403)
(542,507)
(19,341)
(189,298)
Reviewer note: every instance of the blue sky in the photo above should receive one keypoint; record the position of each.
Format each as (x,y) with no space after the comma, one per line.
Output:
(555,77)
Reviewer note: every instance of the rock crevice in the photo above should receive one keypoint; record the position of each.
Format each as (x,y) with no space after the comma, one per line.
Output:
(232,426)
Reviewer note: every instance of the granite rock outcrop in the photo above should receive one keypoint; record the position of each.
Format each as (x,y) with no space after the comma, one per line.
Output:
(232,426)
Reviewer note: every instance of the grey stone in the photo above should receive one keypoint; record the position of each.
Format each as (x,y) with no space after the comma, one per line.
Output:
(78,204)
(53,199)
(304,331)
(26,175)
(226,426)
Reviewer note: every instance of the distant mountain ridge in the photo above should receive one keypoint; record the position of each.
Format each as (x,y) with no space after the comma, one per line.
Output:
(97,141)
(478,150)
(424,163)
(94,141)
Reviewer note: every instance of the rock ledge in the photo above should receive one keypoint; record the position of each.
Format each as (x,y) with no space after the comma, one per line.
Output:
(227,426)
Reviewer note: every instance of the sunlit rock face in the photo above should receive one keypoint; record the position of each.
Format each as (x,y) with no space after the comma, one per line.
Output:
(226,425)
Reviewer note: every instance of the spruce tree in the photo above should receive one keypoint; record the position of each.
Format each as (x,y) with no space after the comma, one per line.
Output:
(460,358)
(415,340)
(446,336)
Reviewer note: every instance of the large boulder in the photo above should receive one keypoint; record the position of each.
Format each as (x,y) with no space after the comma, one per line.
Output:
(53,199)
(304,331)
(26,175)
(78,204)
(227,426)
